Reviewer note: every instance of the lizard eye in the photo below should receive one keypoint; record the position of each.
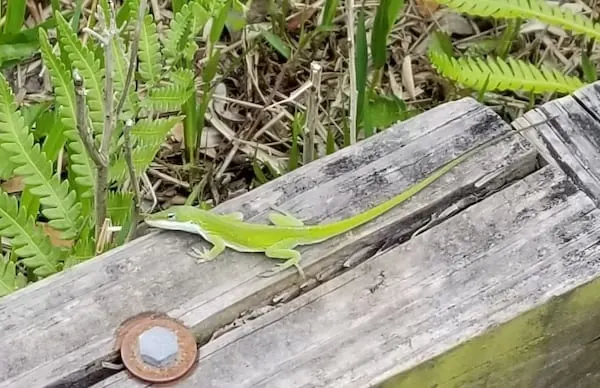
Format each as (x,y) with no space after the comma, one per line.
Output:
(171,216)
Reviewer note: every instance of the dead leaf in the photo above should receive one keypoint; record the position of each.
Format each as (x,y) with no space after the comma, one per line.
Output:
(54,236)
(177,132)
(426,8)
(454,23)
(407,76)
(222,107)
(13,185)
(295,21)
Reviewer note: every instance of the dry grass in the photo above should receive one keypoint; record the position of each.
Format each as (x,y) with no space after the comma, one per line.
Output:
(252,113)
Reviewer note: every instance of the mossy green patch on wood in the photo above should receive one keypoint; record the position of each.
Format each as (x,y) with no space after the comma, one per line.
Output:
(556,344)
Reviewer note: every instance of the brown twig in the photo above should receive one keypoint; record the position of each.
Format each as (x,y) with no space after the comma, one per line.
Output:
(85,135)
(312,113)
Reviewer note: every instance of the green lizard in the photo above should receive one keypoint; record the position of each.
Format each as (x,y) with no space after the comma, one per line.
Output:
(278,240)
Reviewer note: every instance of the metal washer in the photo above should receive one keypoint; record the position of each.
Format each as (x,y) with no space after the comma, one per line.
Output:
(186,358)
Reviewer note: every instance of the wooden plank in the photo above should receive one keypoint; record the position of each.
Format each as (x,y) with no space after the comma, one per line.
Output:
(571,138)
(515,250)
(63,327)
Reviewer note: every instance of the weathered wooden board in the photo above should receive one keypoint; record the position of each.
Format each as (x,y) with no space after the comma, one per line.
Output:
(504,294)
(57,332)
(493,261)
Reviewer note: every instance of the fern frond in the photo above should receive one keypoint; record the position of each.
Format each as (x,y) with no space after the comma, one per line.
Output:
(81,164)
(515,75)
(152,131)
(28,240)
(119,206)
(92,73)
(6,167)
(198,18)
(167,98)
(182,77)
(59,202)
(120,75)
(531,9)
(149,53)
(82,250)
(142,155)
(177,35)
(10,279)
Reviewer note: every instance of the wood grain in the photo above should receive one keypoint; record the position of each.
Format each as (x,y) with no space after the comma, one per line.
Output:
(60,329)
(513,251)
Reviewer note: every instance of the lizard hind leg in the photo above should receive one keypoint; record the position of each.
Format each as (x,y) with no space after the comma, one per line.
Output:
(284,250)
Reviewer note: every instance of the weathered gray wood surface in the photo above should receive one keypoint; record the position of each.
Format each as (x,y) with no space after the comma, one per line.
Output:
(385,315)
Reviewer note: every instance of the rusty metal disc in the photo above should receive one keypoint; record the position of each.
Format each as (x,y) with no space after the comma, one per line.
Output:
(186,356)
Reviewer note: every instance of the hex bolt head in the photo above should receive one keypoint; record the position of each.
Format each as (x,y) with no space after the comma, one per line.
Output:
(158,346)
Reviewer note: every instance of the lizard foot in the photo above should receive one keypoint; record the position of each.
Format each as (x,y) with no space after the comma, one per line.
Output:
(201,255)
(282,267)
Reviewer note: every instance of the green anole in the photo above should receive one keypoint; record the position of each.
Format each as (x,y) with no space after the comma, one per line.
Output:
(286,232)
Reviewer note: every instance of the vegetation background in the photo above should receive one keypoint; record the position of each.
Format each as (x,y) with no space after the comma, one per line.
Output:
(111,109)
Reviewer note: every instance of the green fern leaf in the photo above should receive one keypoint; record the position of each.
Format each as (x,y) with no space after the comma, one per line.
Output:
(142,156)
(515,75)
(10,279)
(177,35)
(60,204)
(534,9)
(167,98)
(119,207)
(92,73)
(81,164)
(82,250)
(152,131)
(198,18)
(121,67)
(28,240)
(149,53)
(6,167)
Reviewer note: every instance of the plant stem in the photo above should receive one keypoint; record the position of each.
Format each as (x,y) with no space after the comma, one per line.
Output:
(132,56)
(133,180)
(352,68)
(312,113)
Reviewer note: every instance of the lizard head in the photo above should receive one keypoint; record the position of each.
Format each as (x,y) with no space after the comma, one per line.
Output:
(176,218)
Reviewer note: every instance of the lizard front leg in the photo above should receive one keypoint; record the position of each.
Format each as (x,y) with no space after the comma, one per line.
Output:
(284,250)
(205,255)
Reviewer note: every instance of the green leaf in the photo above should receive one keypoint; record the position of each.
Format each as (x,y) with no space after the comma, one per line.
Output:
(119,207)
(168,98)
(149,53)
(10,279)
(151,131)
(176,38)
(92,73)
(528,9)
(384,111)
(27,239)
(589,68)
(81,164)
(385,16)
(362,59)
(219,22)
(142,155)
(329,12)
(15,16)
(278,44)
(59,202)
(515,75)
